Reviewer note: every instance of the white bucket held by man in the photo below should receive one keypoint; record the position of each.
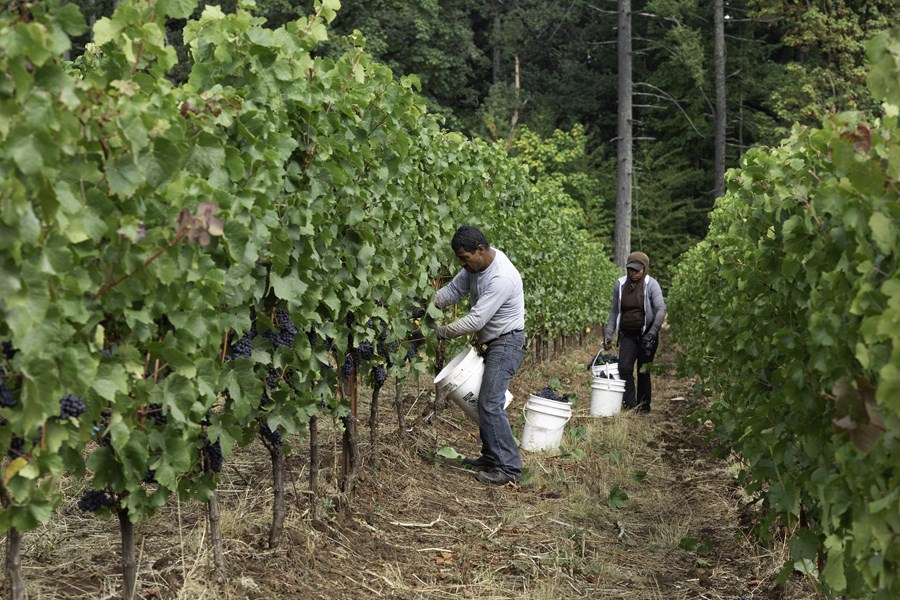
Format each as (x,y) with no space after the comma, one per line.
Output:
(460,380)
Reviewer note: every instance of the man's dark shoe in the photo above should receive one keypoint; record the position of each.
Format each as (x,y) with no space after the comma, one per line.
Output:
(496,477)
(479,464)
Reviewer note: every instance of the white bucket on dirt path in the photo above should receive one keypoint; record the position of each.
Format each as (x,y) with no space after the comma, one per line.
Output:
(461,381)
(606,396)
(545,422)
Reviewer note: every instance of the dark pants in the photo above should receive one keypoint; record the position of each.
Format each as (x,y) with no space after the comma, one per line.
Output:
(502,359)
(629,353)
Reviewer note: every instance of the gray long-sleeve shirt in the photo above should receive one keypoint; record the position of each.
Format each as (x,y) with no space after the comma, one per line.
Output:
(654,307)
(496,298)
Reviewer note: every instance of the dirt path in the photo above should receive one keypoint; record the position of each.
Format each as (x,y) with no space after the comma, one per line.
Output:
(417,529)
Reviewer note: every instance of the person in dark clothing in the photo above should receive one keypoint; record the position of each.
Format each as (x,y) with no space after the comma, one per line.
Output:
(638,311)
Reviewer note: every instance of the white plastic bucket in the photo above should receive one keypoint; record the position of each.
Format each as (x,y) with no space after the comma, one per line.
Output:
(545,422)
(606,396)
(607,370)
(461,381)
(537,400)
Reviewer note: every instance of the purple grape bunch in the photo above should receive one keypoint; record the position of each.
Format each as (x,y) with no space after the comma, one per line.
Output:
(8,350)
(285,330)
(16,447)
(155,411)
(94,500)
(273,377)
(365,350)
(212,452)
(7,399)
(70,406)
(413,349)
(273,437)
(379,375)
(243,347)
(347,367)
(549,394)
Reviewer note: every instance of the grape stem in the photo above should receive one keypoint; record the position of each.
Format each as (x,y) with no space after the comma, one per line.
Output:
(111,284)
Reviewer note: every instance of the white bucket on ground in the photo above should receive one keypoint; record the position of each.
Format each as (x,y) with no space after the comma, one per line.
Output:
(461,381)
(606,396)
(545,422)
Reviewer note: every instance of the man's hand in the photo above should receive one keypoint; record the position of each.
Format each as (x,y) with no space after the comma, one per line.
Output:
(442,332)
(649,338)
(607,343)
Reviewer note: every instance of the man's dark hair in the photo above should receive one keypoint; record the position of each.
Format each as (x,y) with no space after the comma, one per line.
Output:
(468,238)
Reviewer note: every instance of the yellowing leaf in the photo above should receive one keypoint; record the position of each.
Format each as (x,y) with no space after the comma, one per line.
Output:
(13,468)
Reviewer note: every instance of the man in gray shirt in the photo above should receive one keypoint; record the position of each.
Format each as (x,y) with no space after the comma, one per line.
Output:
(497,315)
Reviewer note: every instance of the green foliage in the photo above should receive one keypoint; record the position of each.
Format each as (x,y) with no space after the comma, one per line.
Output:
(790,311)
(146,227)
(828,64)
(617,498)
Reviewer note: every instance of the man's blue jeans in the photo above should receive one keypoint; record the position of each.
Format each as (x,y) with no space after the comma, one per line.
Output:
(502,359)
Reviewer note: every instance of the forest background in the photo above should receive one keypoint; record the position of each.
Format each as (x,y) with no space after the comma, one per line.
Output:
(540,76)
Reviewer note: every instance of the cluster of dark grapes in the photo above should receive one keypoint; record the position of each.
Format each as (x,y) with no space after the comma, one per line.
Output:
(413,349)
(70,406)
(348,365)
(379,375)
(365,350)
(549,394)
(273,377)
(418,313)
(213,453)
(384,351)
(285,329)
(602,359)
(150,476)
(155,411)
(7,400)
(94,500)
(16,447)
(273,437)
(243,347)
(8,350)
(350,320)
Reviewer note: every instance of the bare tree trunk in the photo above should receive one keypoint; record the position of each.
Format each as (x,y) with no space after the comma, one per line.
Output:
(515,117)
(624,145)
(14,580)
(215,536)
(350,445)
(277,456)
(398,405)
(314,466)
(719,24)
(373,424)
(129,565)
(496,61)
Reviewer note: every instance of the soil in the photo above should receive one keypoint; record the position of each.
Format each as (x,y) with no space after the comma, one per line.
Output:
(420,526)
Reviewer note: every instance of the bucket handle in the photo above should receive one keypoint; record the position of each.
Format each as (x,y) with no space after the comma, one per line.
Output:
(544,428)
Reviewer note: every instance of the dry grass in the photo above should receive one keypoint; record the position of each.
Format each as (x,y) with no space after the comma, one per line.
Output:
(416,529)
